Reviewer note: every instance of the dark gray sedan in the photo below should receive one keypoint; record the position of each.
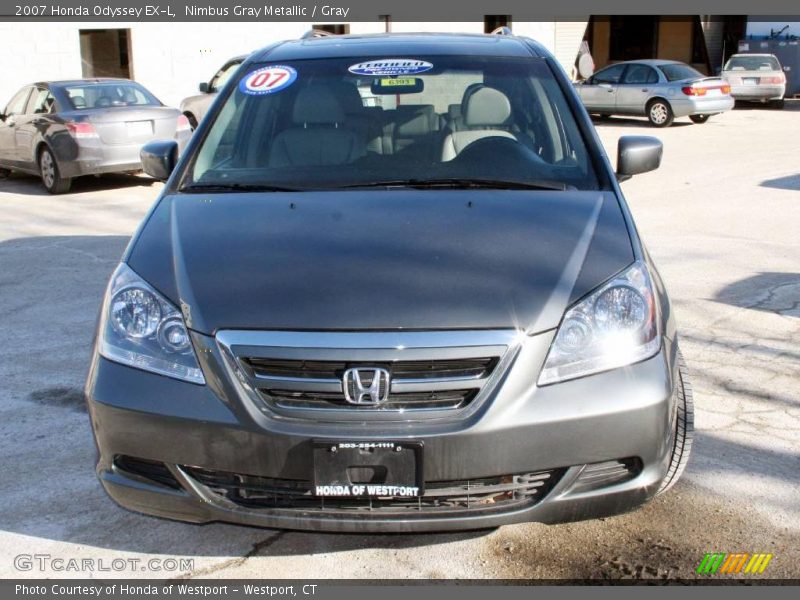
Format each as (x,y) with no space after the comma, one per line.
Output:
(64,129)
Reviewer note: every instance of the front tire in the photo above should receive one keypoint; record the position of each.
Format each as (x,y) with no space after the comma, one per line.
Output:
(699,119)
(192,120)
(659,113)
(51,175)
(684,428)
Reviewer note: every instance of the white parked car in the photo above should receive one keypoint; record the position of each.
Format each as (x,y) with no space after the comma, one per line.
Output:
(756,78)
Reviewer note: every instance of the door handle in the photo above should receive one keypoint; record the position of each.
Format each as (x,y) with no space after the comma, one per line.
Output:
(610,90)
(645,90)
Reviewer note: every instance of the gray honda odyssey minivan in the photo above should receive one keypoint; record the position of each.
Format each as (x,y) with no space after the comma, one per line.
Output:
(392,284)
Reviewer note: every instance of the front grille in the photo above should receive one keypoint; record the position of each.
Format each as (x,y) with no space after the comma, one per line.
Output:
(491,493)
(445,400)
(431,374)
(409,369)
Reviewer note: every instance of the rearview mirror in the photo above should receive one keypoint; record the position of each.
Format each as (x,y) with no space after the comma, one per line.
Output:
(203,87)
(637,154)
(159,158)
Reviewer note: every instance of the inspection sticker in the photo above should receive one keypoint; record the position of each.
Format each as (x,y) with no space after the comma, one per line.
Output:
(267,80)
(391,67)
(396,81)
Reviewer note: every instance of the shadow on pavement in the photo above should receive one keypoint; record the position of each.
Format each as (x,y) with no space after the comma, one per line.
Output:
(790,182)
(790,104)
(32,186)
(777,293)
(641,123)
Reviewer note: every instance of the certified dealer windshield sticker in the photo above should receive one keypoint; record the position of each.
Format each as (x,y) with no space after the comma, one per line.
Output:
(268,80)
(391,67)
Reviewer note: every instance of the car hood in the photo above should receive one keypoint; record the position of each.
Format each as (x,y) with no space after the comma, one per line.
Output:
(404,259)
(199,100)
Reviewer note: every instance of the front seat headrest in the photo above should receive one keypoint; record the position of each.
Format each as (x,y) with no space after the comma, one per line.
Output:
(349,98)
(487,107)
(317,104)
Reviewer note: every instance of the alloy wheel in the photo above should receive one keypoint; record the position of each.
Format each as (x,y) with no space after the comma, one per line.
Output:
(658,113)
(48,169)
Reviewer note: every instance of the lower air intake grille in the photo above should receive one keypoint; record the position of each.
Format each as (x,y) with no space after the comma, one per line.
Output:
(501,493)
(597,475)
(146,469)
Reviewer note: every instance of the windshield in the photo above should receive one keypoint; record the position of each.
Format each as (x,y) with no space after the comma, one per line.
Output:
(104,95)
(752,63)
(678,72)
(334,123)
(221,77)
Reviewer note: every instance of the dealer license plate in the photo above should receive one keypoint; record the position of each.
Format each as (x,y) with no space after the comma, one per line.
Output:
(368,469)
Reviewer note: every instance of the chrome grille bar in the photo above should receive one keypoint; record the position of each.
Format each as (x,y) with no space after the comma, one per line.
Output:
(292,373)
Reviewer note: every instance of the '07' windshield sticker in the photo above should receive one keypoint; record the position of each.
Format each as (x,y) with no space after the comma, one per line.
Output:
(391,67)
(267,80)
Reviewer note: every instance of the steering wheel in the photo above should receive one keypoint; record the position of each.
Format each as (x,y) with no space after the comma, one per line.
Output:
(502,152)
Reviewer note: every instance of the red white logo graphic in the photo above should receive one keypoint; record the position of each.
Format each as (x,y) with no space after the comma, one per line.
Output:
(268,80)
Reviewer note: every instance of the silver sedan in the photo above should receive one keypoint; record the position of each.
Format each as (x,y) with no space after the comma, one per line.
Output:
(64,129)
(661,90)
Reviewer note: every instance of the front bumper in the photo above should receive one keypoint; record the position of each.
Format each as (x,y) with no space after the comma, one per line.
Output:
(522,428)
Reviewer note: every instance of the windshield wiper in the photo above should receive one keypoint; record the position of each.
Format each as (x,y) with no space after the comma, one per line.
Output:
(462,183)
(235,187)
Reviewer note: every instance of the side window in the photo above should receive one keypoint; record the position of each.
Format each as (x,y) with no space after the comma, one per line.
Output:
(17,104)
(640,74)
(41,102)
(610,75)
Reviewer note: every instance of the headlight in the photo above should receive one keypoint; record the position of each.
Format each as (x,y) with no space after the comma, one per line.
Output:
(141,329)
(612,327)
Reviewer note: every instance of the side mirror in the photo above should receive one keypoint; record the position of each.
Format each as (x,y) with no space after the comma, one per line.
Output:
(637,154)
(3,117)
(203,87)
(159,158)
